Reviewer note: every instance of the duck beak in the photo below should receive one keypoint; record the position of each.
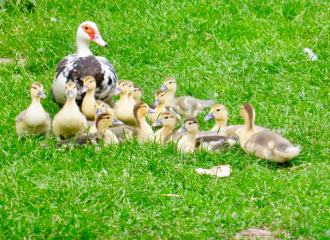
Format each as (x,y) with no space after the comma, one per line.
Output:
(163,87)
(98,40)
(208,117)
(117,122)
(239,116)
(182,129)
(118,91)
(156,102)
(98,111)
(70,94)
(157,123)
(41,94)
(84,89)
(151,110)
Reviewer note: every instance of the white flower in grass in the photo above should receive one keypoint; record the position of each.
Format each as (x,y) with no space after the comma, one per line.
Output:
(53,19)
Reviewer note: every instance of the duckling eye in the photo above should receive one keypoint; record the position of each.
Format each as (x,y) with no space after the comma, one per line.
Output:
(134,90)
(170,82)
(218,110)
(166,117)
(102,105)
(34,87)
(189,123)
(90,81)
(74,87)
(108,117)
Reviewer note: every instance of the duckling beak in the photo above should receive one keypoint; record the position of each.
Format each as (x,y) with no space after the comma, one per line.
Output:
(98,111)
(84,89)
(157,123)
(41,94)
(117,122)
(239,116)
(163,87)
(70,94)
(157,101)
(182,129)
(209,117)
(151,110)
(118,90)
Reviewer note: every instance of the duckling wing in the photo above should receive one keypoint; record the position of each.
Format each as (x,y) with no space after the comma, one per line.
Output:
(215,143)
(19,118)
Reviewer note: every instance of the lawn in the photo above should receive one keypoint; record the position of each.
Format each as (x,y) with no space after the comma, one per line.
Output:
(245,51)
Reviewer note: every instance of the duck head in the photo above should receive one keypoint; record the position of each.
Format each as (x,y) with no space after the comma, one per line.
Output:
(99,107)
(89,84)
(141,109)
(130,87)
(106,120)
(37,90)
(71,90)
(248,114)
(88,31)
(218,112)
(166,119)
(159,97)
(137,95)
(169,85)
(189,125)
(122,87)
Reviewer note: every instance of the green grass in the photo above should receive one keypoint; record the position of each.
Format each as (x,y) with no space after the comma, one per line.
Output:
(246,51)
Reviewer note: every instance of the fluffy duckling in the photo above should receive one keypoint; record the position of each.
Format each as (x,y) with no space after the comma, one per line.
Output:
(69,120)
(87,106)
(144,130)
(137,95)
(131,93)
(123,108)
(168,120)
(34,120)
(160,106)
(186,105)
(103,121)
(121,132)
(190,141)
(219,112)
(264,144)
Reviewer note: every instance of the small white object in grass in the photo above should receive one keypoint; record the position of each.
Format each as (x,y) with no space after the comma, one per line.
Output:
(53,19)
(2,10)
(311,54)
(171,195)
(219,171)
(216,95)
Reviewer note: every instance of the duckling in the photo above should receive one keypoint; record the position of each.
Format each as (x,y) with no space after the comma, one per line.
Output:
(186,105)
(124,109)
(219,112)
(121,132)
(144,130)
(87,106)
(131,93)
(168,120)
(264,144)
(34,120)
(69,120)
(160,106)
(103,121)
(211,143)
(137,95)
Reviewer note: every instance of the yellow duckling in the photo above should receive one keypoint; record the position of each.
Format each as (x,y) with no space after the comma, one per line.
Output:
(168,120)
(34,120)
(87,106)
(69,121)
(144,130)
(137,95)
(190,142)
(264,144)
(186,105)
(124,109)
(131,93)
(103,122)
(160,98)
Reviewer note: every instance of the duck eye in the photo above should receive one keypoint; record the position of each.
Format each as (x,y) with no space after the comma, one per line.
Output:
(86,28)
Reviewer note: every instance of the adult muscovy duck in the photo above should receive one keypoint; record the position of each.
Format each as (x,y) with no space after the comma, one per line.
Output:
(76,67)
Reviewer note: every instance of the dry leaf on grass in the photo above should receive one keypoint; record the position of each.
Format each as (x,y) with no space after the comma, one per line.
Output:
(219,171)
(10,60)
(254,233)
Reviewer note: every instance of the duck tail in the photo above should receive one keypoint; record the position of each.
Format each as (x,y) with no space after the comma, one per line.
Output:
(288,153)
